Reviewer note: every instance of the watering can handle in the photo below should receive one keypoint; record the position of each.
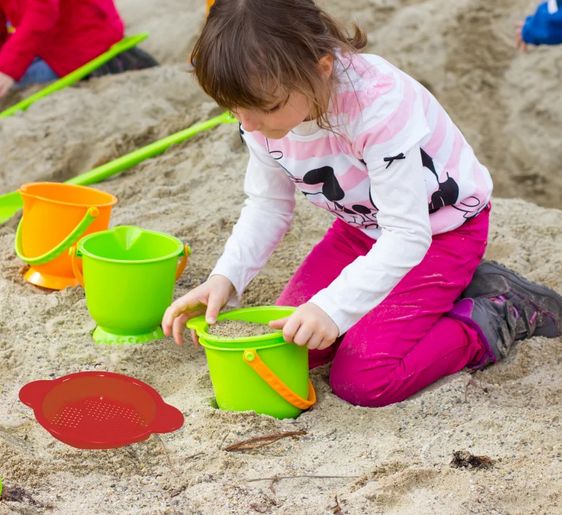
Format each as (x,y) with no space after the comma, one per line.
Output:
(252,358)
(186,252)
(71,239)
(73,252)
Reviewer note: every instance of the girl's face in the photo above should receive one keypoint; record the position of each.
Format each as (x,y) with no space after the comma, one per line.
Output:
(284,114)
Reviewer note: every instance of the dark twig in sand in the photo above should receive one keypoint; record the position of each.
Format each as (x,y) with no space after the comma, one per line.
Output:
(336,510)
(299,476)
(262,441)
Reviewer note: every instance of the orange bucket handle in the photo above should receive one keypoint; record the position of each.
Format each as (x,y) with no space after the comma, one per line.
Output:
(71,239)
(182,264)
(74,254)
(252,358)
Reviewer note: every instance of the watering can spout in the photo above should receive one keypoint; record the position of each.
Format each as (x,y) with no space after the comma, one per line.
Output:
(127,235)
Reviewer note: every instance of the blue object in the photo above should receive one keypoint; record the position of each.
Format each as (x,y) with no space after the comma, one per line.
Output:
(545,26)
(38,72)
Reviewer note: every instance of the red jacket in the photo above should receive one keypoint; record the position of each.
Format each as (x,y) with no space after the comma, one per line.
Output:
(64,33)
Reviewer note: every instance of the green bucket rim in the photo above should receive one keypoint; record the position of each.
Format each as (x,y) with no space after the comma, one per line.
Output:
(83,252)
(262,341)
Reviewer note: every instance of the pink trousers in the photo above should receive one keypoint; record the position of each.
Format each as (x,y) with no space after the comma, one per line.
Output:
(408,341)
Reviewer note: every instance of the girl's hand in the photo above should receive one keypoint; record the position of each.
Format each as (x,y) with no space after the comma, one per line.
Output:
(519,43)
(308,325)
(6,82)
(207,298)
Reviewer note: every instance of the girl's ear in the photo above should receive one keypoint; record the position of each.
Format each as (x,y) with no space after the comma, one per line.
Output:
(326,65)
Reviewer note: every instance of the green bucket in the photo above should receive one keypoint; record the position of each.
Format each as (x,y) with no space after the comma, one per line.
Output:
(129,275)
(262,373)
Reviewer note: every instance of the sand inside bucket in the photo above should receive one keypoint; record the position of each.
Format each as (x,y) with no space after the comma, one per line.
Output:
(239,329)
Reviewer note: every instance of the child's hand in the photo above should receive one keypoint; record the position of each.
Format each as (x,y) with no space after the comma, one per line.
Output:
(207,298)
(519,43)
(308,325)
(6,82)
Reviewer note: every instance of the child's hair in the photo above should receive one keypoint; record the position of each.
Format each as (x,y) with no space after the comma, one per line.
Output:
(251,52)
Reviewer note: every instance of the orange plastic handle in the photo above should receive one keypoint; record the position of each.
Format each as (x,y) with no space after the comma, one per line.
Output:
(183,263)
(252,358)
(75,268)
(209,5)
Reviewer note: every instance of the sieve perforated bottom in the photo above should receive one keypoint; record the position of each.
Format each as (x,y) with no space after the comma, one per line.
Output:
(97,410)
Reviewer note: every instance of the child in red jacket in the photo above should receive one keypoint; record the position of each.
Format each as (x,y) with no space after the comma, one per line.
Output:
(41,40)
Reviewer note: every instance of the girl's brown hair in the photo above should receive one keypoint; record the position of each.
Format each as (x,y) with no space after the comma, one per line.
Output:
(252,51)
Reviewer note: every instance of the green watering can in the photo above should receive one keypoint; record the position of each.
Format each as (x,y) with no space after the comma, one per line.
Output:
(129,275)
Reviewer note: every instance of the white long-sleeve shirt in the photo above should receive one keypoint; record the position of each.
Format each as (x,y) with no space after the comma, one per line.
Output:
(395,166)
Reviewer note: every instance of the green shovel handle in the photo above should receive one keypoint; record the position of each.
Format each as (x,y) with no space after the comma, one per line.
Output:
(125,44)
(71,239)
(153,149)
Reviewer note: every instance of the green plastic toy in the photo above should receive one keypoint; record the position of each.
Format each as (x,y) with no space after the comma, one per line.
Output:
(11,203)
(262,373)
(129,275)
(125,44)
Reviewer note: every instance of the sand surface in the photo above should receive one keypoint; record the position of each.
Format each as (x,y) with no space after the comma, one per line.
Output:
(350,460)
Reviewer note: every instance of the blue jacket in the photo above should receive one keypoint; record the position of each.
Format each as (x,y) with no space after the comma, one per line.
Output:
(545,26)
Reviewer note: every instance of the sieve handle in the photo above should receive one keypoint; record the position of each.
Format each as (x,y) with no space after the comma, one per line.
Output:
(252,358)
(168,418)
(91,214)
(32,394)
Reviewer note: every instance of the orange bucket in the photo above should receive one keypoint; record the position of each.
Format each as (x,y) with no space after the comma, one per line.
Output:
(55,217)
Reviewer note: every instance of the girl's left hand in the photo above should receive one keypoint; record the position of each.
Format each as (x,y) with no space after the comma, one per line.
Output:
(308,325)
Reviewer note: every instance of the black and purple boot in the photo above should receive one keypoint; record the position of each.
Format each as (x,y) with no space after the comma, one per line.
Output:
(505,307)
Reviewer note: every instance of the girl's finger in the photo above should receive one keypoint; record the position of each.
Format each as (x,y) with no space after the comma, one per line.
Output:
(290,329)
(194,338)
(214,305)
(167,320)
(173,311)
(324,344)
(315,341)
(279,323)
(303,335)
(179,328)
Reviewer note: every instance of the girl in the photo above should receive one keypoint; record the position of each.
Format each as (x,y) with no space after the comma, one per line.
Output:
(378,294)
(41,40)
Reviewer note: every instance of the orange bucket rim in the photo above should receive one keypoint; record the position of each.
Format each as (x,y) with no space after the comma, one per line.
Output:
(22,190)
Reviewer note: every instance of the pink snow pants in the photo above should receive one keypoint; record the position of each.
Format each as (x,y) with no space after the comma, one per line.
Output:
(408,341)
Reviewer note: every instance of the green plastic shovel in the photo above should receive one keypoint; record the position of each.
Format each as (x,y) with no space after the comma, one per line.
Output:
(125,44)
(11,203)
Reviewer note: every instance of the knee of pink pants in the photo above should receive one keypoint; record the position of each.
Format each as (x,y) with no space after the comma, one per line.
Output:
(374,388)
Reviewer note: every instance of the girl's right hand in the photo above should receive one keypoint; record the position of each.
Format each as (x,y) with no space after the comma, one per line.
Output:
(207,298)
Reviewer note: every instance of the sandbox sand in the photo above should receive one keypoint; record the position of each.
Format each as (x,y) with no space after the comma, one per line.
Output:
(350,460)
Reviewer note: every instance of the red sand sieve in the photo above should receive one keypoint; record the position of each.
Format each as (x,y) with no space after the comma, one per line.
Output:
(99,410)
